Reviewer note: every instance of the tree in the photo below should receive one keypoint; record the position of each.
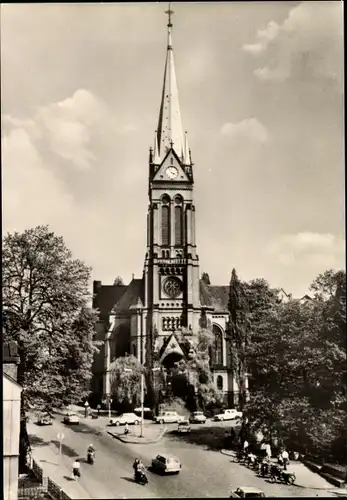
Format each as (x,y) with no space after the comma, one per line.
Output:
(45,310)
(125,376)
(205,278)
(118,281)
(239,329)
(298,360)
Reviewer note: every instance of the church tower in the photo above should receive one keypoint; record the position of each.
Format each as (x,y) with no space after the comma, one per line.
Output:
(171,271)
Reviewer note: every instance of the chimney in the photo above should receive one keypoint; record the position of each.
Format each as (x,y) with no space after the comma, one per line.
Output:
(96,286)
(10,359)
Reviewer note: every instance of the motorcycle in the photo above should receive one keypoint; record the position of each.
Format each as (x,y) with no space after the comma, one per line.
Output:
(140,477)
(264,467)
(91,457)
(283,476)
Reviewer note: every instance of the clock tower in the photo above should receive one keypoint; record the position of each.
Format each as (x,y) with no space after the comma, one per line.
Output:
(171,270)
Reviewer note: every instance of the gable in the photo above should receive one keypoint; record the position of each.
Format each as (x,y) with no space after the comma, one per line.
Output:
(175,173)
(172,346)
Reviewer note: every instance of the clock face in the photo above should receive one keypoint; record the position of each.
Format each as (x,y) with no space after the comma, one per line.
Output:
(172,172)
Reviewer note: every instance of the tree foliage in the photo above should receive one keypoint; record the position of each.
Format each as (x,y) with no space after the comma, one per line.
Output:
(125,377)
(297,358)
(239,328)
(118,281)
(45,310)
(205,278)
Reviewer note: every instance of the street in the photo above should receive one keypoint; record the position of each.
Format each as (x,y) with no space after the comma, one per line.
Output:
(205,473)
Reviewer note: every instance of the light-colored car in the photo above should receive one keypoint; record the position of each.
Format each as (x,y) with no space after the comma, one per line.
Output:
(230,414)
(247,492)
(166,464)
(126,418)
(71,418)
(197,417)
(184,427)
(168,417)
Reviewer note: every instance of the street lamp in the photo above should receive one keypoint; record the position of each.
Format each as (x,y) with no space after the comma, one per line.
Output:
(129,370)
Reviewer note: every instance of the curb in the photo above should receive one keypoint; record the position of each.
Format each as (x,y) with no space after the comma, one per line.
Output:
(139,440)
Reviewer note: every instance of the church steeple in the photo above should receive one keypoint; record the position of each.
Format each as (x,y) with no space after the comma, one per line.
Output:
(170,131)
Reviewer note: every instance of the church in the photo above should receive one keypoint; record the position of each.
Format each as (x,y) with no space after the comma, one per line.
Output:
(170,301)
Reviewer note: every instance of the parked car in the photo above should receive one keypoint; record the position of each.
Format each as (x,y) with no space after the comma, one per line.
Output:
(230,414)
(71,418)
(44,419)
(197,417)
(126,418)
(166,464)
(147,412)
(184,427)
(168,417)
(247,492)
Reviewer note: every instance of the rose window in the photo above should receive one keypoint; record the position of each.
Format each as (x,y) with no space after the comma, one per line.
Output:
(172,287)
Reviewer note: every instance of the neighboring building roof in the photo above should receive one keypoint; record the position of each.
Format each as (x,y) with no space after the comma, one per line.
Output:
(107,296)
(134,292)
(11,379)
(216,297)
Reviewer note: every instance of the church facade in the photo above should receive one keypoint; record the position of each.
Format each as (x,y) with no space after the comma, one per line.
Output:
(169,299)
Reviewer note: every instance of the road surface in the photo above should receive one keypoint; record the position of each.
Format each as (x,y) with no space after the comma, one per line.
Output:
(205,473)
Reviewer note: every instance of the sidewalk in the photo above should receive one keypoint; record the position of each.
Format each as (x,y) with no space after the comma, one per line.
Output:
(305,478)
(151,434)
(56,470)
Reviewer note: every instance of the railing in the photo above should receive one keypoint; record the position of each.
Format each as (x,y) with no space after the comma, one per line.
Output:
(47,485)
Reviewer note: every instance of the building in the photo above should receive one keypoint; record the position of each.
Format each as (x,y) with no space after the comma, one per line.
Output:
(11,420)
(170,298)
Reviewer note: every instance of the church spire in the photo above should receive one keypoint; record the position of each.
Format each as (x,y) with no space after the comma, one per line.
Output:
(170,132)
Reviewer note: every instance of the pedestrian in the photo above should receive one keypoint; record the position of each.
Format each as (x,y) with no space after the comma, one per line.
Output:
(285,458)
(126,428)
(245,447)
(268,450)
(76,472)
(98,408)
(86,409)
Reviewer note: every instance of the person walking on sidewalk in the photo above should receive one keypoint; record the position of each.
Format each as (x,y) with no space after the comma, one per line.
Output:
(76,472)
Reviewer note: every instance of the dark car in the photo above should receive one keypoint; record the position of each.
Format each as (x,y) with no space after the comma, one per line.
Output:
(44,419)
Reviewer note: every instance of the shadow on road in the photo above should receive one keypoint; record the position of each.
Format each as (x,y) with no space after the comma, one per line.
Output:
(211,437)
(66,450)
(129,479)
(82,428)
(68,478)
(48,462)
(37,441)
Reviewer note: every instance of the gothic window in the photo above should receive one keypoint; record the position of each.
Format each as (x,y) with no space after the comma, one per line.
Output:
(178,220)
(220,383)
(133,349)
(167,254)
(165,225)
(217,348)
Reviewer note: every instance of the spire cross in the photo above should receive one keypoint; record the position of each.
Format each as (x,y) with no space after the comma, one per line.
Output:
(169,12)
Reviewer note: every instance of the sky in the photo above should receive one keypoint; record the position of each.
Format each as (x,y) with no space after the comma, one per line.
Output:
(261,96)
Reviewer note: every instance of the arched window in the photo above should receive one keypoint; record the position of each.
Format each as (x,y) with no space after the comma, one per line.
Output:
(220,382)
(217,349)
(178,220)
(165,221)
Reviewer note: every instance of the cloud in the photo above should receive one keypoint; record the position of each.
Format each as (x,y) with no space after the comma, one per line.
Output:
(310,41)
(65,129)
(321,250)
(250,128)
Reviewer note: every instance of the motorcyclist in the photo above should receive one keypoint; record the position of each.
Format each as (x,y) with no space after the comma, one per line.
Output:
(135,465)
(91,451)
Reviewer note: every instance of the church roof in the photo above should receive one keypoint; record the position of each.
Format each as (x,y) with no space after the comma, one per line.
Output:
(134,292)
(216,297)
(106,298)
(170,131)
